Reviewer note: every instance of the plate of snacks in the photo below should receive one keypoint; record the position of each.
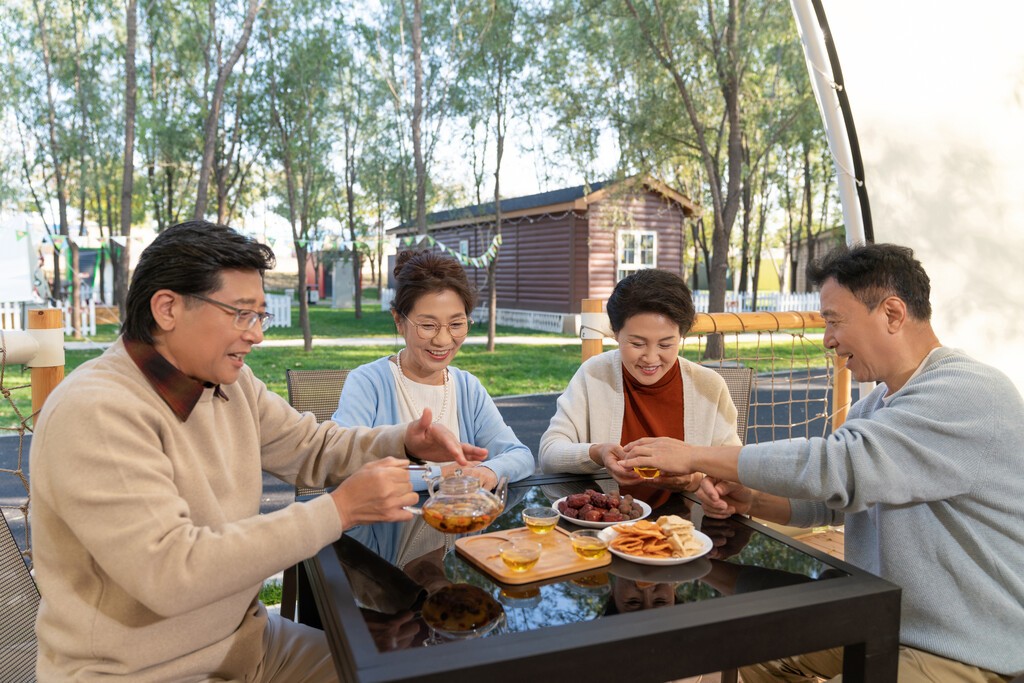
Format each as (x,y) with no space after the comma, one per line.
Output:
(670,540)
(600,510)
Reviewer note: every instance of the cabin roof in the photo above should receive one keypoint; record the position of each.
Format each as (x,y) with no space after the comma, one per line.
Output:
(565,199)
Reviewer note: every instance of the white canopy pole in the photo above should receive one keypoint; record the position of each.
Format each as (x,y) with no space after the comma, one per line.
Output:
(824,85)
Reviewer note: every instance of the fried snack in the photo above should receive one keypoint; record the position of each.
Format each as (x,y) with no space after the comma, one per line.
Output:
(643,539)
(679,533)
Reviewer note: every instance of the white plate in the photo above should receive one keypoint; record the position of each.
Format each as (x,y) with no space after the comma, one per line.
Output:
(610,534)
(601,525)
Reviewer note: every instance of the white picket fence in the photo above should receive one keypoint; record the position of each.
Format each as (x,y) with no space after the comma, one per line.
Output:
(742,302)
(10,315)
(88,318)
(280,306)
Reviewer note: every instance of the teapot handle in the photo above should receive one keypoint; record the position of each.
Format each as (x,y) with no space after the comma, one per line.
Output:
(431,484)
(501,490)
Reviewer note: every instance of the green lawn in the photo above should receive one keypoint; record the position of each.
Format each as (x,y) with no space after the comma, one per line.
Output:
(512,369)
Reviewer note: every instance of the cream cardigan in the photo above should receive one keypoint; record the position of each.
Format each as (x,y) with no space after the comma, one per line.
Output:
(149,546)
(590,411)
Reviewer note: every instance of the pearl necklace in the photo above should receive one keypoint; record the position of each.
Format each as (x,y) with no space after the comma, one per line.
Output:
(408,390)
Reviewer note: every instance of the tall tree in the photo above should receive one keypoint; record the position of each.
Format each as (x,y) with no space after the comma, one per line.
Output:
(128,170)
(440,42)
(302,67)
(224,69)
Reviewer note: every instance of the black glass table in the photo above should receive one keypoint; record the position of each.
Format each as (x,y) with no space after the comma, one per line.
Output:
(759,595)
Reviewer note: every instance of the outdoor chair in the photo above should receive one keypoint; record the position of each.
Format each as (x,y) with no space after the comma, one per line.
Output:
(738,382)
(317,392)
(18,608)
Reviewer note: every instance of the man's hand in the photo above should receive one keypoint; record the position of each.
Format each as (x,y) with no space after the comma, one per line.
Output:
(728,538)
(436,443)
(671,456)
(722,499)
(376,492)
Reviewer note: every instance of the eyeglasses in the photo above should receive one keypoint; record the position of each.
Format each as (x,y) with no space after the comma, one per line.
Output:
(245,318)
(427,331)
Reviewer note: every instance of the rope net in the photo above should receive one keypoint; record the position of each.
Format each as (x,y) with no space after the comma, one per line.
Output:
(792,387)
(15,422)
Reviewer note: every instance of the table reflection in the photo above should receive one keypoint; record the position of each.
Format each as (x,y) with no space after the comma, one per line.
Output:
(398,565)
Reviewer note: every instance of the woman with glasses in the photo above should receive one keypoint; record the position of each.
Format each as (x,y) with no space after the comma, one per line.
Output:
(433,300)
(642,389)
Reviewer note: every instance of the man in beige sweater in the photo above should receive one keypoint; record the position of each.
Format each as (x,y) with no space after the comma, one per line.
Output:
(146,469)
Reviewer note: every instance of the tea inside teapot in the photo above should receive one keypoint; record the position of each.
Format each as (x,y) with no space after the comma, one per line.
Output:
(461,506)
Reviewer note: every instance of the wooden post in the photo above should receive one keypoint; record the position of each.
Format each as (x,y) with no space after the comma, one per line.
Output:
(45,379)
(592,347)
(841,393)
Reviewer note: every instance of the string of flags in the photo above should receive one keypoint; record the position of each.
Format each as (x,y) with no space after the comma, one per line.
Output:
(481,261)
(81,241)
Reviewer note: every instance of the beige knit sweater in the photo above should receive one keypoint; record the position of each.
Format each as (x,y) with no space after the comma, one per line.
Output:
(149,546)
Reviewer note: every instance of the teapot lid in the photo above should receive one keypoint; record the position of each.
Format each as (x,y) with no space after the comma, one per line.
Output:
(460,483)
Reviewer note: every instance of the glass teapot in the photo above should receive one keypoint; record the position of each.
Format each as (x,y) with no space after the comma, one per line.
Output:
(459,505)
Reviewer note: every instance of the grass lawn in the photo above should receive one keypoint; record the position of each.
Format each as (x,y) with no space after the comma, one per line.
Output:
(512,369)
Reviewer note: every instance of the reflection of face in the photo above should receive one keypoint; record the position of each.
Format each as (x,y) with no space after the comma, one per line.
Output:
(631,596)
(425,359)
(854,331)
(204,343)
(649,345)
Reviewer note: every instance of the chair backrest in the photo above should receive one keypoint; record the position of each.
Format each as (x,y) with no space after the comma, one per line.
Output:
(19,602)
(738,381)
(317,392)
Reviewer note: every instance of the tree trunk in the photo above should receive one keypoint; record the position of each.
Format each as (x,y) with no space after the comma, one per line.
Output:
(213,115)
(417,118)
(128,170)
(58,168)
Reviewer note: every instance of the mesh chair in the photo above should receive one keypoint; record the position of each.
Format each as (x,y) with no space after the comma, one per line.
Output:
(19,603)
(317,392)
(738,381)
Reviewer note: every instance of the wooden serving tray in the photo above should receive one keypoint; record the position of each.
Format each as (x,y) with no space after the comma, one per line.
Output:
(557,558)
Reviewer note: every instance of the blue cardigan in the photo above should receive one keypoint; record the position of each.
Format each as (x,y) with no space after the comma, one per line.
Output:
(369,398)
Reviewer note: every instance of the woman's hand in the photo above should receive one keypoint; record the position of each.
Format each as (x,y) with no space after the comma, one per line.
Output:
(434,442)
(488,479)
(722,499)
(610,455)
(686,482)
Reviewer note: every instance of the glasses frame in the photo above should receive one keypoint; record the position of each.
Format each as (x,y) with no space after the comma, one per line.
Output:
(264,318)
(446,326)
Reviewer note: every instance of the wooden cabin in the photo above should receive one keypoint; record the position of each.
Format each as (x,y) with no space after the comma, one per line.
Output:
(563,246)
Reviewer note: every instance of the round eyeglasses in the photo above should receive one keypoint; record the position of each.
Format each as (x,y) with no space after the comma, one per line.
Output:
(245,318)
(427,331)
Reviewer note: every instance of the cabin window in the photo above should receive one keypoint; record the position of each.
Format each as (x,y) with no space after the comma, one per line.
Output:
(638,249)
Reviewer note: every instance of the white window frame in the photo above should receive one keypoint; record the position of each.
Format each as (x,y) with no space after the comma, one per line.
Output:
(623,267)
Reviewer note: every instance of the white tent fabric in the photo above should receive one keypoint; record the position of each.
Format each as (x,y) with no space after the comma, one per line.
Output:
(17,262)
(937,96)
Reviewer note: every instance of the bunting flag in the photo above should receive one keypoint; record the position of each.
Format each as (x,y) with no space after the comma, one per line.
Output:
(58,241)
(273,241)
(20,234)
(119,240)
(481,261)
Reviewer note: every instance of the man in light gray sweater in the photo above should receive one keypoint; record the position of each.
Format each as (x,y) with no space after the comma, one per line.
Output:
(926,473)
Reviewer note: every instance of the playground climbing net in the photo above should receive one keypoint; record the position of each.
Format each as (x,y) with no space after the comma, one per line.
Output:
(15,410)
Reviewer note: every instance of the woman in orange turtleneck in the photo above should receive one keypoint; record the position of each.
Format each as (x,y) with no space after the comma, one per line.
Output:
(644,388)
